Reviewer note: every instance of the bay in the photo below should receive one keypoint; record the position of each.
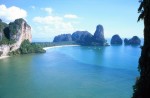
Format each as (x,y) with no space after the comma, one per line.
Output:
(71,72)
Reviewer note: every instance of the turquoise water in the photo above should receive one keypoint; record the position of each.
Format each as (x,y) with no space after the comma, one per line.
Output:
(71,72)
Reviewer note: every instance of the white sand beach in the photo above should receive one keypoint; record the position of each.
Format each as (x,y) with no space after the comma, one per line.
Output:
(59,46)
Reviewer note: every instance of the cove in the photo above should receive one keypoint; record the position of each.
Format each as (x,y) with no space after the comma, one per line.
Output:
(71,72)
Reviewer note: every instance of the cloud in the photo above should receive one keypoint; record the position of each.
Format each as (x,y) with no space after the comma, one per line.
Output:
(70,16)
(48,19)
(11,13)
(33,7)
(48,10)
(53,24)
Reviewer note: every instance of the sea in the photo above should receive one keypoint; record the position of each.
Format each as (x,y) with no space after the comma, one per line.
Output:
(71,72)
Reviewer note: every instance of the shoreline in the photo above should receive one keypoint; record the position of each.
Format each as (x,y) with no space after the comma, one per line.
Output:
(59,46)
(3,57)
(45,48)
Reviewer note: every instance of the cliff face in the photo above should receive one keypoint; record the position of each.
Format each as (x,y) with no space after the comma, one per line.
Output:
(20,32)
(13,35)
(135,40)
(99,35)
(84,37)
(62,37)
(116,40)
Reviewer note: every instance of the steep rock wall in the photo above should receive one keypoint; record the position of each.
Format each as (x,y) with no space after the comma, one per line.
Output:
(22,32)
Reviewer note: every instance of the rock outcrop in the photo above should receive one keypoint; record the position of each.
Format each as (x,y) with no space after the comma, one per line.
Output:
(82,37)
(126,41)
(99,35)
(133,41)
(20,30)
(14,34)
(116,40)
(62,37)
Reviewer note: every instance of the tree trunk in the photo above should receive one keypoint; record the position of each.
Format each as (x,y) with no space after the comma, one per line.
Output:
(142,86)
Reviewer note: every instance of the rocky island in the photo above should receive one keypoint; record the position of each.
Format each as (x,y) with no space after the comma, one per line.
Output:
(116,40)
(98,37)
(135,40)
(63,37)
(84,37)
(15,38)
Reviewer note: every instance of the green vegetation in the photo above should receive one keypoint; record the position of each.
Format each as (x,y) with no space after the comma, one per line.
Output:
(2,25)
(27,47)
(9,34)
(4,34)
(6,41)
(50,44)
(14,26)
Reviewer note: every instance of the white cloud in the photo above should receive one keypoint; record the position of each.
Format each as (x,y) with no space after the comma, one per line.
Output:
(70,16)
(53,25)
(33,7)
(48,10)
(11,13)
(48,20)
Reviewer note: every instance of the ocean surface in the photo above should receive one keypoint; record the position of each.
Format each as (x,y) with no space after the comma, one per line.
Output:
(71,72)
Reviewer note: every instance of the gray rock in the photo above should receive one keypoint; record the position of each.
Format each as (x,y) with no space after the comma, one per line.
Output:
(19,27)
(116,40)
(135,40)
(19,31)
(62,37)
(126,41)
(82,37)
(99,35)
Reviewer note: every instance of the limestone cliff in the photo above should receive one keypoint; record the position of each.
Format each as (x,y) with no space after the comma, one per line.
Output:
(62,37)
(85,37)
(135,40)
(99,35)
(82,37)
(13,35)
(116,40)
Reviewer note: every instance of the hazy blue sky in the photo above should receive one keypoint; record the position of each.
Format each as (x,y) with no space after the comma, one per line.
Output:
(52,17)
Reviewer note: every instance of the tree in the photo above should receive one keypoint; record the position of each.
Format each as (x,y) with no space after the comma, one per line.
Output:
(142,86)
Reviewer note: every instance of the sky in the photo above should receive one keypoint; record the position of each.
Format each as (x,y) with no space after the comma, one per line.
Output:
(49,18)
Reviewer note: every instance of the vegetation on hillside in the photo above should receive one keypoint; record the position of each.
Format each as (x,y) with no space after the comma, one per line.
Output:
(27,47)
(2,25)
(50,44)
(14,26)
(5,34)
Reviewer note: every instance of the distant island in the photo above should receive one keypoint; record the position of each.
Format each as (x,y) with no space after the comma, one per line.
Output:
(84,37)
(117,40)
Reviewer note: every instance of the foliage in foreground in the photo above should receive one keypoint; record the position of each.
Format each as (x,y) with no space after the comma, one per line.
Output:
(27,47)
(142,85)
